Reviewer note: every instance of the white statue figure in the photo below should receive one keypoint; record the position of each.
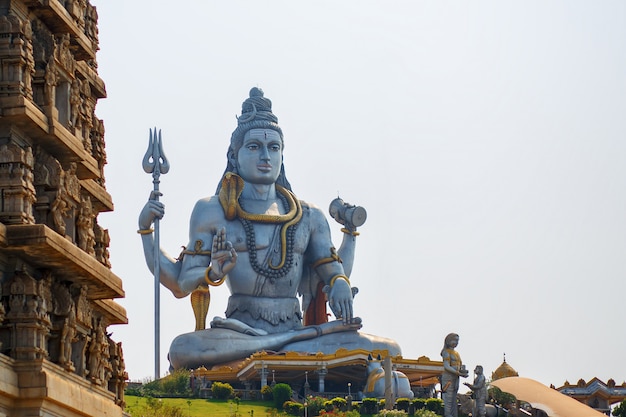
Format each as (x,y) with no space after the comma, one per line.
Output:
(453,368)
(480,392)
(267,245)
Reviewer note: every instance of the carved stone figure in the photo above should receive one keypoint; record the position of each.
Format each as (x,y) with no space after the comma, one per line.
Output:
(72,184)
(480,392)
(102,245)
(68,336)
(75,102)
(64,54)
(265,243)
(83,309)
(51,80)
(98,146)
(60,208)
(453,368)
(84,226)
(98,354)
(375,385)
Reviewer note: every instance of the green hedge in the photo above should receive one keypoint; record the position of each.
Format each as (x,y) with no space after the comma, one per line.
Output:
(281,393)
(222,390)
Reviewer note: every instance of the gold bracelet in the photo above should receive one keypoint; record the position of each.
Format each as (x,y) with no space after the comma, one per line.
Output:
(333,279)
(207,279)
(349,232)
(145,231)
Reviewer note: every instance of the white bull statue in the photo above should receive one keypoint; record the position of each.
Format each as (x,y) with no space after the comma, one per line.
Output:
(375,385)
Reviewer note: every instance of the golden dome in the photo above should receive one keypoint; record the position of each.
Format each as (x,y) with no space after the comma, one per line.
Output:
(505,370)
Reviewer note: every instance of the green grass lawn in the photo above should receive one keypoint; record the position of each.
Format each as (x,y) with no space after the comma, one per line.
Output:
(204,408)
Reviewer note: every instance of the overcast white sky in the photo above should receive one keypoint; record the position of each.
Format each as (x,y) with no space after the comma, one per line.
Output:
(486,139)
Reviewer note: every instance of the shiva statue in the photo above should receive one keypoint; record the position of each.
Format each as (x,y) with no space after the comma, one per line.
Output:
(268,247)
(453,368)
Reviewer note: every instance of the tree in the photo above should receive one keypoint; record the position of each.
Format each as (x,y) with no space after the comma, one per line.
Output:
(222,390)
(281,393)
(620,410)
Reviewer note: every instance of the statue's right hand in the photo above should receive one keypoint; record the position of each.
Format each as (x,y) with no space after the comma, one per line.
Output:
(153,209)
(223,255)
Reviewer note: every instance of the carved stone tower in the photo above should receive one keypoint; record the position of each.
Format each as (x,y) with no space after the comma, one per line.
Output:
(56,285)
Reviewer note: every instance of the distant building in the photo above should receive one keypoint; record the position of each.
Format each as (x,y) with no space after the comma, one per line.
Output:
(595,393)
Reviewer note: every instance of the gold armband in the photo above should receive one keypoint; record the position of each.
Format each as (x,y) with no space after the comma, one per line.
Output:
(145,231)
(207,279)
(332,258)
(349,232)
(197,249)
(333,279)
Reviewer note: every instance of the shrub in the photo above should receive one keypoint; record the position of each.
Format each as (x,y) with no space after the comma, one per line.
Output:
(403,404)
(293,408)
(281,393)
(336,403)
(266,392)
(177,383)
(392,413)
(315,405)
(221,390)
(369,406)
(425,413)
(339,403)
(435,405)
(500,397)
(419,403)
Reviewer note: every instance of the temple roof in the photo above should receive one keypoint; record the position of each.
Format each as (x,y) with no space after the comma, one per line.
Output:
(504,371)
(342,365)
(595,388)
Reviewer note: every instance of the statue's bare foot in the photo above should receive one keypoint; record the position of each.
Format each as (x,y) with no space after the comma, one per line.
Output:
(337,326)
(236,325)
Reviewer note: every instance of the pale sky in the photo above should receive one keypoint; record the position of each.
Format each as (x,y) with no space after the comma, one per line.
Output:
(486,140)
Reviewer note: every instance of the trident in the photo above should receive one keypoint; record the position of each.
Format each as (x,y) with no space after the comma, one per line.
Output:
(155,163)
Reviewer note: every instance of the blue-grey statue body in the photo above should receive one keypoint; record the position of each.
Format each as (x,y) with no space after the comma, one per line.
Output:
(269,247)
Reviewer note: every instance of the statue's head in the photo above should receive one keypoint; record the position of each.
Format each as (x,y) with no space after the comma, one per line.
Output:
(256,113)
(451,341)
(478,370)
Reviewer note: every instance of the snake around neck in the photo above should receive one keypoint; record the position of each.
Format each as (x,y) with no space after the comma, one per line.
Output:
(232,187)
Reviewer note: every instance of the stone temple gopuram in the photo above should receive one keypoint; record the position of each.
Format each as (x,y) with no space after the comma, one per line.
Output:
(57,288)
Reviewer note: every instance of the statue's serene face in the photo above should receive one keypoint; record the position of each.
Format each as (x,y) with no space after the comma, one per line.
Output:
(454,342)
(260,157)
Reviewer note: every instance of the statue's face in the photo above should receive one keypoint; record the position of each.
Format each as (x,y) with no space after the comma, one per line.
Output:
(260,157)
(454,342)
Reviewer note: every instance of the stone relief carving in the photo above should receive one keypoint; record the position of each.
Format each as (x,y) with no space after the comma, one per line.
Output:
(102,245)
(51,79)
(27,306)
(75,102)
(60,207)
(84,226)
(98,354)
(64,55)
(83,309)
(16,46)
(91,25)
(16,181)
(98,149)
(119,376)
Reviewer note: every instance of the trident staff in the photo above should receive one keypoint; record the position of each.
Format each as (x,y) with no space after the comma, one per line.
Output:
(155,163)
